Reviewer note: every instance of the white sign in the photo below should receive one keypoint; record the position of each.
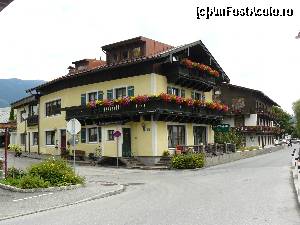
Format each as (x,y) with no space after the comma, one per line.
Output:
(73,126)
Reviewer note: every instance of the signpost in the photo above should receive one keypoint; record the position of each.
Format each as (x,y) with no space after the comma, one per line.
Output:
(117,134)
(221,128)
(73,127)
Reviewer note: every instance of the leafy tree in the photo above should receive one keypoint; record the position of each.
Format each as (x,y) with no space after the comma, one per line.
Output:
(232,136)
(284,120)
(11,115)
(296,109)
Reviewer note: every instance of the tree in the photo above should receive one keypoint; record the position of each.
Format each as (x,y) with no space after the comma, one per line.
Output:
(11,115)
(284,120)
(296,109)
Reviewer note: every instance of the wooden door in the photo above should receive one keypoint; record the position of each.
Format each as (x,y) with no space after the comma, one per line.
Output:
(126,146)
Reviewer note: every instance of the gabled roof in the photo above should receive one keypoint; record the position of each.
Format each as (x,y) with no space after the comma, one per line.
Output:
(160,55)
(259,93)
(24,101)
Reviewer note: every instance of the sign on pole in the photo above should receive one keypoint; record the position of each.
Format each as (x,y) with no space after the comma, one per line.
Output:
(117,134)
(73,127)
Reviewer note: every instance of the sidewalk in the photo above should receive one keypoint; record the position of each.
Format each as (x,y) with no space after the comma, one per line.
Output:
(16,204)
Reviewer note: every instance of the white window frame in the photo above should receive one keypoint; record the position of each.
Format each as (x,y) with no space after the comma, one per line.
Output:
(87,95)
(46,138)
(32,138)
(199,92)
(177,124)
(108,135)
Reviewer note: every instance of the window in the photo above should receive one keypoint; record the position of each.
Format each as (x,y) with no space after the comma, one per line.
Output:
(176,91)
(93,134)
(125,54)
(83,135)
(32,110)
(50,137)
(176,135)
(109,94)
(199,135)
(22,115)
(120,92)
(23,139)
(110,135)
(92,96)
(130,91)
(198,95)
(53,108)
(35,138)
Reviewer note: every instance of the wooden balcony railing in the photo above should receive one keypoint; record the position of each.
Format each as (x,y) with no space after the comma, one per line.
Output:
(259,129)
(209,149)
(153,106)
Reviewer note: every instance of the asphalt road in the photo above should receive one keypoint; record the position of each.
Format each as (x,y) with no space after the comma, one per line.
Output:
(254,191)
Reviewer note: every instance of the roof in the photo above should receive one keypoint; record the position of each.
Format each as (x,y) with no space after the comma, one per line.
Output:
(24,101)
(162,54)
(4,114)
(129,41)
(258,92)
(4,3)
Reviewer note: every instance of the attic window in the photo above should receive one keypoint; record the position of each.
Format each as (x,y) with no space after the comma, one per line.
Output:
(136,52)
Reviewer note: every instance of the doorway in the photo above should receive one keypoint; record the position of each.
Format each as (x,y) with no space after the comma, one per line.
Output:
(63,142)
(126,146)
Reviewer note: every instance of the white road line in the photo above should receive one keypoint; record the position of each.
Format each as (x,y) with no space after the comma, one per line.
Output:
(36,196)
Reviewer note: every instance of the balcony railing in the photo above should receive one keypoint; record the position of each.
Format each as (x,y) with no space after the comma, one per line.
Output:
(151,107)
(189,77)
(266,113)
(32,120)
(259,129)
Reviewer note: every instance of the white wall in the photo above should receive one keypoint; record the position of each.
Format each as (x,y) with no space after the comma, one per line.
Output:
(251,120)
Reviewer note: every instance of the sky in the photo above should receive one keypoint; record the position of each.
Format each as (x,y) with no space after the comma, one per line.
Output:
(41,38)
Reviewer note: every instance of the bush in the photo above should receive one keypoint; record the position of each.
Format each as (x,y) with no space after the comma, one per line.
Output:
(250,148)
(56,172)
(188,161)
(15,173)
(166,153)
(29,182)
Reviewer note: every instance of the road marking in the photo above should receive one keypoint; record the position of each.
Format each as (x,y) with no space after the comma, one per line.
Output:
(36,196)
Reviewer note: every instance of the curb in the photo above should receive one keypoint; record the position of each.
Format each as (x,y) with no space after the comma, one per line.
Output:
(297,189)
(95,197)
(50,189)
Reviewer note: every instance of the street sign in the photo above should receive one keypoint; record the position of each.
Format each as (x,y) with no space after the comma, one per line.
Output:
(73,126)
(72,141)
(221,128)
(117,134)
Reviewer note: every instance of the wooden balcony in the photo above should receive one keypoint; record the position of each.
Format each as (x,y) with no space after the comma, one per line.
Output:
(189,77)
(32,120)
(263,113)
(155,109)
(258,129)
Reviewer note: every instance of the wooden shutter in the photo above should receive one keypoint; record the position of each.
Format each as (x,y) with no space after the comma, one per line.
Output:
(83,135)
(100,95)
(83,99)
(130,91)
(169,90)
(110,94)
(182,93)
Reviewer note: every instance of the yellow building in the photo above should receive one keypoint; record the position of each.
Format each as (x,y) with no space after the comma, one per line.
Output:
(156,95)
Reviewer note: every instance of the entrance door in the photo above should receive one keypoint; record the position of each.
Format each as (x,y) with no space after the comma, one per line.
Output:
(63,141)
(126,146)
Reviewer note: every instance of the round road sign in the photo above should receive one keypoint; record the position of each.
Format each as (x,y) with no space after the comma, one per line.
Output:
(73,126)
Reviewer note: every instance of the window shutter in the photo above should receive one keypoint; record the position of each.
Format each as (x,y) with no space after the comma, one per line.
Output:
(130,91)
(110,94)
(83,99)
(100,95)
(182,93)
(169,90)
(83,135)
(99,134)
(193,95)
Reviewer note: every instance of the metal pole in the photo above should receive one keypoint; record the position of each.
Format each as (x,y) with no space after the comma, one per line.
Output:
(74,152)
(5,152)
(117,152)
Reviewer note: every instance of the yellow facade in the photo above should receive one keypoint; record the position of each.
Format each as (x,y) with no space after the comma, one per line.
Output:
(148,138)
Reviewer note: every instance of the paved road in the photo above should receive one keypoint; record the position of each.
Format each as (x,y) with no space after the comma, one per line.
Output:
(254,191)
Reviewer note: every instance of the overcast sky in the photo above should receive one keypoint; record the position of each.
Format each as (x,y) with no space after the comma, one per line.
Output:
(40,38)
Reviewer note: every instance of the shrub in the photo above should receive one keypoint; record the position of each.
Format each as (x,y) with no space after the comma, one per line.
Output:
(15,148)
(15,173)
(29,182)
(166,153)
(56,172)
(250,148)
(188,161)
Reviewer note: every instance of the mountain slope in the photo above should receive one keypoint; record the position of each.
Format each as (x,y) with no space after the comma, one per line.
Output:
(14,89)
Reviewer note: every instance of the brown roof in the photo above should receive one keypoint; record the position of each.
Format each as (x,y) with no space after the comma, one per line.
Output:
(4,3)
(161,54)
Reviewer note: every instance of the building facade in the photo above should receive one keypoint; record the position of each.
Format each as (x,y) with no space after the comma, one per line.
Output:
(251,114)
(156,95)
